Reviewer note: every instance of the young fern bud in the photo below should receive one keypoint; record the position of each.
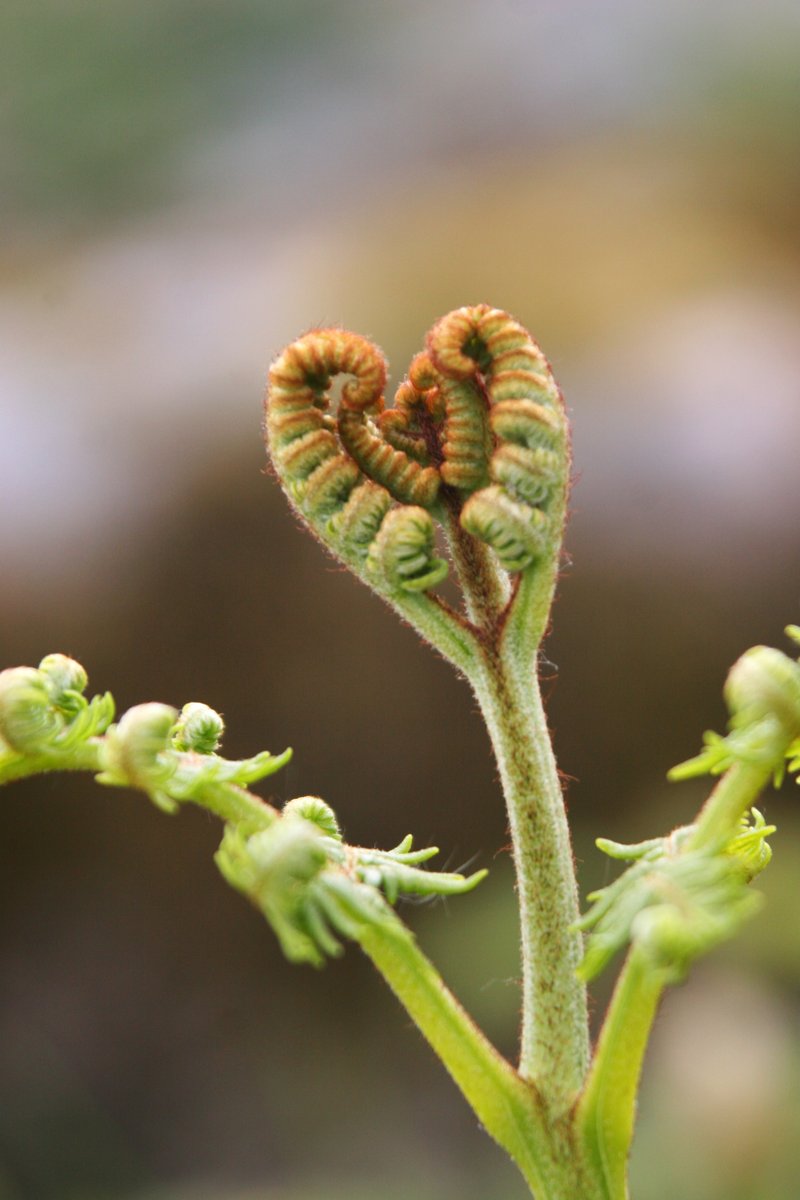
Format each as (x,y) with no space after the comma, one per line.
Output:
(29,721)
(345,472)
(66,681)
(170,757)
(317,812)
(304,445)
(277,868)
(749,846)
(356,525)
(43,710)
(137,752)
(762,693)
(516,532)
(764,684)
(198,728)
(401,555)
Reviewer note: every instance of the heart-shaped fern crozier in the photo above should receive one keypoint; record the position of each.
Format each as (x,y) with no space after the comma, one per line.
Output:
(476,443)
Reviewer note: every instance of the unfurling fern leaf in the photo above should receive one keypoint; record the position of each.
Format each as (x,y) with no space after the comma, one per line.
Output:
(516,393)
(476,441)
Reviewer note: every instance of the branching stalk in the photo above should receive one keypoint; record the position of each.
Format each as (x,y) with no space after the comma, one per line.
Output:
(504,1104)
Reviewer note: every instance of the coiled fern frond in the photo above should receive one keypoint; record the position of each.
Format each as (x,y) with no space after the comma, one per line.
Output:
(476,443)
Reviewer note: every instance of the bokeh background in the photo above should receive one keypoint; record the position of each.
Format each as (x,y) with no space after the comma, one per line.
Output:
(186,185)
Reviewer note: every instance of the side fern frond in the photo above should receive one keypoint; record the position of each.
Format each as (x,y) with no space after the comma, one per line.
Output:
(675,902)
(686,892)
(47,724)
(316,890)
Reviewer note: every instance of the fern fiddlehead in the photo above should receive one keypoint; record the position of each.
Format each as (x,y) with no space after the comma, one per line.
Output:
(475,447)
(477,439)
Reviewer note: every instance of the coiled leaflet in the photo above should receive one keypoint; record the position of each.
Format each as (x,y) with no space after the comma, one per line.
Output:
(514,390)
(322,460)
(402,553)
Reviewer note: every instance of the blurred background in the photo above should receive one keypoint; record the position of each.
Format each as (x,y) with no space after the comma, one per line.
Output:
(188,184)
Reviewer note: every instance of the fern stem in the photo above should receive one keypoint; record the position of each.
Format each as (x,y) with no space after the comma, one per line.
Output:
(85,756)
(555,1038)
(607,1109)
(509,1108)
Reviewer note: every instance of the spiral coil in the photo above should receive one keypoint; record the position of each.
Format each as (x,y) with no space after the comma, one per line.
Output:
(514,390)
(477,429)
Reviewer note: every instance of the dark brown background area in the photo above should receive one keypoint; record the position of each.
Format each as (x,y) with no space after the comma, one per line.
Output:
(188,187)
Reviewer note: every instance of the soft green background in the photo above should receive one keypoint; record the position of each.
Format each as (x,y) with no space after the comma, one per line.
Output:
(187,184)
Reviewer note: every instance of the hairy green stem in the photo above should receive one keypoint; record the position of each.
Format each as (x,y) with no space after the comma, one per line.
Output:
(507,1106)
(502,1102)
(528,614)
(85,756)
(607,1109)
(235,805)
(555,1039)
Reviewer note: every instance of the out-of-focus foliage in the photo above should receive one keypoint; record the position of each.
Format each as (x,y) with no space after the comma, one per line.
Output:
(120,93)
